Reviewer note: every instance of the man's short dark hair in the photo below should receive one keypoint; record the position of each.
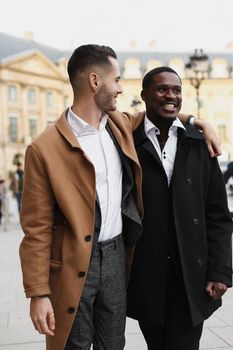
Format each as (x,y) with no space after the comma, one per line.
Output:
(148,78)
(86,56)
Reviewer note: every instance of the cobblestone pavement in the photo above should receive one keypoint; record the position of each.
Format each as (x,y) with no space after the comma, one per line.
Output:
(17,332)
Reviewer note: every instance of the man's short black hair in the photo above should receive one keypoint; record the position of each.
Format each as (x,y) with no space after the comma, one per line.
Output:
(148,78)
(86,56)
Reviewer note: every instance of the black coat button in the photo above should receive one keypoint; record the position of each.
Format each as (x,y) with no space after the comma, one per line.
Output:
(81,274)
(199,262)
(71,310)
(195,221)
(189,181)
(88,238)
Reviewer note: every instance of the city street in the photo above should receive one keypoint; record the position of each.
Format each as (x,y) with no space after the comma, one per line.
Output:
(17,332)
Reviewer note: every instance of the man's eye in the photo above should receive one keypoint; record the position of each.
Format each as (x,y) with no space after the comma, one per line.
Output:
(161,89)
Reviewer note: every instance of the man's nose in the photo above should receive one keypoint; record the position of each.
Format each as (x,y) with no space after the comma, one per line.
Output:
(170,93)
(119,89)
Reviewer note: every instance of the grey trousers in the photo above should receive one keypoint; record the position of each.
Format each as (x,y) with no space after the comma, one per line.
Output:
(101,314)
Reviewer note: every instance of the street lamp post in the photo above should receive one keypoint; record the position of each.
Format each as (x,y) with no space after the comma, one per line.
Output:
(197,69)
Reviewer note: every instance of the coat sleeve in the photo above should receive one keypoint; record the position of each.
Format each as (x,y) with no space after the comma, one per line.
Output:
(132,121)
(219,229)
(135,119)
(36,218)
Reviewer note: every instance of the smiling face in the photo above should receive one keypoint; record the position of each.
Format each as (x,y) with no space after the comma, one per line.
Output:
(110,88)
(163,97)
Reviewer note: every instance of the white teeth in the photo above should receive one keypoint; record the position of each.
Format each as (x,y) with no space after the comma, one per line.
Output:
(169,107)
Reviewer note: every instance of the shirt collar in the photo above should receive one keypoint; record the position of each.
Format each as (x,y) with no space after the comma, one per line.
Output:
(148,125)
(81,127)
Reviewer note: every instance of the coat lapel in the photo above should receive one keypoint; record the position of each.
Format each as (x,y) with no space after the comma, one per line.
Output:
(184,147)
(141,140)
(124,141)
(64,129)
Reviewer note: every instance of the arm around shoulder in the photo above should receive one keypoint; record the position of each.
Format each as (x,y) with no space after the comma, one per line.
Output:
(211,138)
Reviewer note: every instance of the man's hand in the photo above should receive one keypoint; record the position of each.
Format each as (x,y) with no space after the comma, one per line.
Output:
(211,138)
(42,315)
(216,289)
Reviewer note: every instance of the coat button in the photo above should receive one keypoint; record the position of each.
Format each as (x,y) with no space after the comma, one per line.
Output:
(199,262)
(71,310)
(195,221)
(88,238)
(81,274)
(189,181)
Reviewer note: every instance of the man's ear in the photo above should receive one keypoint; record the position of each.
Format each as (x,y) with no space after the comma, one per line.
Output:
(143,95)
(94,80)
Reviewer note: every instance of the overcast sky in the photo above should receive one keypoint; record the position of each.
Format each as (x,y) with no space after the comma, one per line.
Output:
(173,25)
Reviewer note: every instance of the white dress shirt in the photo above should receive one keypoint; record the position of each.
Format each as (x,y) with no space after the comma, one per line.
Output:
(101,151)
(168,154)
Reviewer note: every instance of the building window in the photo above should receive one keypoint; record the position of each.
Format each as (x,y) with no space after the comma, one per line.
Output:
(12,93)
(31,96)
(132,68)
(49,99)
(178,65)
(219,68)
(13,129)
(32,127)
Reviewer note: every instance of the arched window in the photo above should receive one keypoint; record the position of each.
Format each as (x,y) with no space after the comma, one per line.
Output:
(219,68)
(132,68)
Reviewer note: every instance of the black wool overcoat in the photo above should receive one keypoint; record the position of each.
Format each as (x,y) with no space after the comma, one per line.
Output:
(202,222)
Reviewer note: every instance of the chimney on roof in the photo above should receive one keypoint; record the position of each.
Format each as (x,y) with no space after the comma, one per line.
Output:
(29,36)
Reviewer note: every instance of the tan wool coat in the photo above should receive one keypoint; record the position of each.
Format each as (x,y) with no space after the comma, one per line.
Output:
(58,212)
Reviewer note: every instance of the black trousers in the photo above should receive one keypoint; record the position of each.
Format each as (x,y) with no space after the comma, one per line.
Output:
(101,315)
(177,332)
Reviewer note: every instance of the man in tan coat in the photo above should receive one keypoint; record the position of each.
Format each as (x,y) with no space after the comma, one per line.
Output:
(81,211)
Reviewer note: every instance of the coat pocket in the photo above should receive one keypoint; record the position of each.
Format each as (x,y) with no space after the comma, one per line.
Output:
(57,242)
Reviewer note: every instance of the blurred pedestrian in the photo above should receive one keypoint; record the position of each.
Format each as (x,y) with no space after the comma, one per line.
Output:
(17,184)
(2,198)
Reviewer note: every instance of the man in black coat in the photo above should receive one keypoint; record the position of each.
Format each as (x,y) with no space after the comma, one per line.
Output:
(183,261)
